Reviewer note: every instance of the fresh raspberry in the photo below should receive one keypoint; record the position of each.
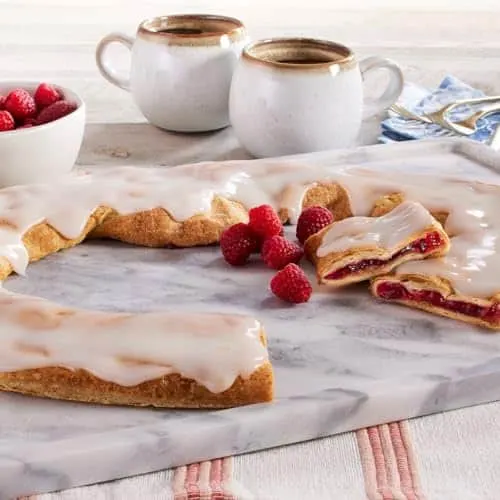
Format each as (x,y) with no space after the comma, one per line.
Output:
(237,243)
(264,222)
(6,121)
(20,104)
(291,284)
(45,95)
(2,102)
(277,252)
(55,111)
(312,220)
(29,122)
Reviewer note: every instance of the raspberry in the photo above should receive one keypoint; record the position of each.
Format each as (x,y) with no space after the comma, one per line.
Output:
(237,243)
(291,284)
(6,121)
(312,220)
(45,95)
(55,111)
(2,102)
(20,104)
(277,252)
(264,222)
(29,122)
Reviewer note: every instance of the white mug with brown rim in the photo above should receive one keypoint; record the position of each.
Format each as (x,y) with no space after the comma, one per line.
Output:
(181,69)
(299,95)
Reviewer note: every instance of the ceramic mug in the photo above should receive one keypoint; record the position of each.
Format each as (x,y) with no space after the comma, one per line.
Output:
(299,95)
(181,69)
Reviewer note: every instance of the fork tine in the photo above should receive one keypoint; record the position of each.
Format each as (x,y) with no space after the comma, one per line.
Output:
(407,114)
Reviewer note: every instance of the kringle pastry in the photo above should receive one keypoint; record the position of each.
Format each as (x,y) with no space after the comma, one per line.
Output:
(49,350)
(435,295)
(465,283)
(359,248)
(177,207)
(158,359)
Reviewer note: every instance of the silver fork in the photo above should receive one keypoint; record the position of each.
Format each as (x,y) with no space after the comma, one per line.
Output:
(466,127)
(414,117)
(470,123)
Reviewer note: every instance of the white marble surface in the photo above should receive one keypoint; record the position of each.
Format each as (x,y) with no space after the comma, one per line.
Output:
(343,361)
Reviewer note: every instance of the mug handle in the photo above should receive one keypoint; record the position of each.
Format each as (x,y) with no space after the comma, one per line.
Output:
(107,71)
(394,87)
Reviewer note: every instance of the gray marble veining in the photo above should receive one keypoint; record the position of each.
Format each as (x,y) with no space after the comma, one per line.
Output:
(342,361)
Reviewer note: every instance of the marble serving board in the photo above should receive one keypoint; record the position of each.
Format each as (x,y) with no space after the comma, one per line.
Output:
(342,361)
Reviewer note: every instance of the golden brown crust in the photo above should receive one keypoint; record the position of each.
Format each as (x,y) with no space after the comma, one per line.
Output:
(311,246)
(42,240)
(171,391)
(152,228)
(80,385)
(435,283)
(156,228)
(336,260)
(329,195)
(387,203)
(442,286)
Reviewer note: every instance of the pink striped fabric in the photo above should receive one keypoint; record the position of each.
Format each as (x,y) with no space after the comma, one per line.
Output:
(211,480)
(388,462)
(387,459)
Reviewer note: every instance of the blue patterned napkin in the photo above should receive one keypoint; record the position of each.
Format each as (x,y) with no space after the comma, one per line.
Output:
(421,100)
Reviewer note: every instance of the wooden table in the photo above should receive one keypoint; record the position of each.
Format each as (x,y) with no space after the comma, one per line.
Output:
(54,40)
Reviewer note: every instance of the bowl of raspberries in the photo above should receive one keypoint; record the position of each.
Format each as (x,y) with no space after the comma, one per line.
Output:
(41,131)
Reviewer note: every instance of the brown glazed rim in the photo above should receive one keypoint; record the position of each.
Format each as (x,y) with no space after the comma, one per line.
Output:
(345,61)
(219,26)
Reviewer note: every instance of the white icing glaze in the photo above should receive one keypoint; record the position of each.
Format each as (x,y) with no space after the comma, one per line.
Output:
(389,231)
(128,349)
(183,192)
(472,266)
(473,263)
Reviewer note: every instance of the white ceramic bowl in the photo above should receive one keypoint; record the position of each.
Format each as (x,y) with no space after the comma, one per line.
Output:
(41,153)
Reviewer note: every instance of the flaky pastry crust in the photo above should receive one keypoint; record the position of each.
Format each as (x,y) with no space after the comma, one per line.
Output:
(152,228)
(417,282)
(157,228)
(337,260)
(170,391)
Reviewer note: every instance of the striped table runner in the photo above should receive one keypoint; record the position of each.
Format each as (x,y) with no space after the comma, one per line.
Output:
(451,456)
(388,461)
(385,454)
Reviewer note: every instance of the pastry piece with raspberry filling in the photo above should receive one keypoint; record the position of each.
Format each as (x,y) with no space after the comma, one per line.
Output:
(435,295)
(359,248)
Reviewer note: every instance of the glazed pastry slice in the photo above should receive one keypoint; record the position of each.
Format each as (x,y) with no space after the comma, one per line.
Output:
(435,295)
(359,248)
(169,360)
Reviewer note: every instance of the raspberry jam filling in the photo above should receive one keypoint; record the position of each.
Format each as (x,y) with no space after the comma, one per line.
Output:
(422,246)
(389,290)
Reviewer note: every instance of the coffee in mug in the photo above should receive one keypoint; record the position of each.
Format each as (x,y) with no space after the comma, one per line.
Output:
(299,95)
(181,69)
